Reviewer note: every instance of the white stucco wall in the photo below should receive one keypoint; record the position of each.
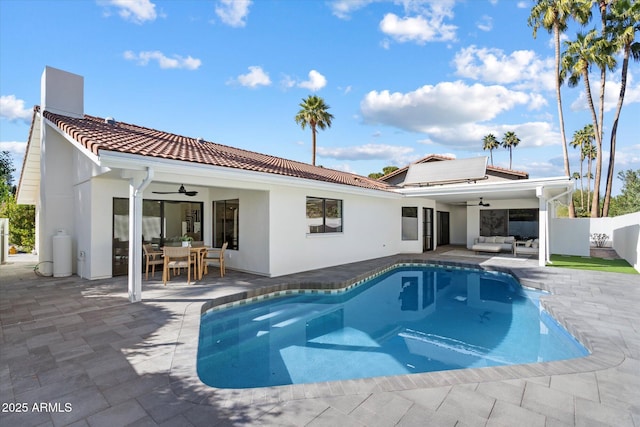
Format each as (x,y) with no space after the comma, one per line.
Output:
(57,198)
(569,236)
(371,228)
(253,251)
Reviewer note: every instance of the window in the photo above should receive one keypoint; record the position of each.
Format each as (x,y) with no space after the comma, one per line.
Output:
(409,223)
(521,223)
(226,224)
(324,215)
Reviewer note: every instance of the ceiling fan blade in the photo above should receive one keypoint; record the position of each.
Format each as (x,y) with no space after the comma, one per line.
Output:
(165,192)
(190,193)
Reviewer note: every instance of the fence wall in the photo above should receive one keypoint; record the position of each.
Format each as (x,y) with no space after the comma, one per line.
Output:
(572,236)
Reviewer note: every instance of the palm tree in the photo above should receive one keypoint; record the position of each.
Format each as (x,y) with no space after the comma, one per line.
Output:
(553,15)
(589,152)
(582,138)
(313,113)
(490,143)
(625,17)
(510,140)
(586,50)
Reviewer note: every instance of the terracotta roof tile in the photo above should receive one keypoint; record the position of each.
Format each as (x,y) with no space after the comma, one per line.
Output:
(96,135)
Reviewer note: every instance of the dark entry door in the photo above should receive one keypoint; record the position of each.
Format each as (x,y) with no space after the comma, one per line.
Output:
(443,228)
(427,229)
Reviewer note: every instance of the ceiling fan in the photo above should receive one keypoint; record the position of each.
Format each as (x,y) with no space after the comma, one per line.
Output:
(481,203)
(181,190)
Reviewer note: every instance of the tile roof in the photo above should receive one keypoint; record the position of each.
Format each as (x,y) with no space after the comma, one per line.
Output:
(437,157)
(96,135)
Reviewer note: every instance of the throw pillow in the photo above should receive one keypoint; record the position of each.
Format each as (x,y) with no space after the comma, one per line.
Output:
(528,243)
(500,239)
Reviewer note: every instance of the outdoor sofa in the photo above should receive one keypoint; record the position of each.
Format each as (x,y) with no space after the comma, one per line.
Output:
(493,244)
(528,247)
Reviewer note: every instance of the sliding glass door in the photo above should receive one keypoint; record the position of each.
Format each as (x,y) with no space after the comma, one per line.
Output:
(163,223)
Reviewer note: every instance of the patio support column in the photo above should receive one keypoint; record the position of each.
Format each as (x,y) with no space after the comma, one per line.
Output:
(136,191)
(543,227)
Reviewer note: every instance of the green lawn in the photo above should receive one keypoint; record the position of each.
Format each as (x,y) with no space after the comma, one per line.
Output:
(588,263)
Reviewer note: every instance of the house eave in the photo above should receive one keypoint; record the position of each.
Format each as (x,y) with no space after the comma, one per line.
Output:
(127,161)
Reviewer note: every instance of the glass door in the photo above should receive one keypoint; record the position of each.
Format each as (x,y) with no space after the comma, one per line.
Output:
(163,223)
(427,229)
(443,228)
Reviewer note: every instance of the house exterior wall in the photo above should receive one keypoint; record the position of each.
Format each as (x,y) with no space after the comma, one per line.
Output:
(371,228)
(253,223)
(56,199)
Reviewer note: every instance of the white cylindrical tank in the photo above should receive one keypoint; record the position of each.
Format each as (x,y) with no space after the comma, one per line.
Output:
(61,254)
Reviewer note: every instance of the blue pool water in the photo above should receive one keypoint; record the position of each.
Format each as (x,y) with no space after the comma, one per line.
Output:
(409,320)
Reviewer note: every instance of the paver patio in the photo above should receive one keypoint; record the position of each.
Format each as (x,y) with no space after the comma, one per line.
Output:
(94,359)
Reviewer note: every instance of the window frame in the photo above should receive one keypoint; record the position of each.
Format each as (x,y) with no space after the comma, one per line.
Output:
(412,234)
(324,228)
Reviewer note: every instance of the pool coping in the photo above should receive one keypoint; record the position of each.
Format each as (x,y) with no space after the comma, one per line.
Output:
(186,383)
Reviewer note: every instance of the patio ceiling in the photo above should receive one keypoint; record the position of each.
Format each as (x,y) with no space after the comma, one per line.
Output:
(502,190)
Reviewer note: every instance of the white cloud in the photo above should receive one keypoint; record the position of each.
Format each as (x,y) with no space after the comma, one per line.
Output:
(233,12)
(485,23)
(343,8)
(316,81)
(611,94)
(445,104)
(456,115)
(419,29)
(13,109)
(14,147)
(364,152)
(137,11)
(523,68)
(177,61)
(254,78)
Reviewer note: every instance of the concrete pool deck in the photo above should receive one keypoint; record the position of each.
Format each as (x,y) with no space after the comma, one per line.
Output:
(93,359)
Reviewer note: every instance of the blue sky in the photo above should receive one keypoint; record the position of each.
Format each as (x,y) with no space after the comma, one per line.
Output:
(404,79)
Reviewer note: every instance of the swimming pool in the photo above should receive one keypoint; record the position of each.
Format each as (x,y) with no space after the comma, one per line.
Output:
(411,319)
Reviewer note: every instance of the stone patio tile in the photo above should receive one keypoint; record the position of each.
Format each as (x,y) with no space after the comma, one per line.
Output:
(418,416)
(207,416)
(583,385)
(592,413)
(84,402)
(382,409)
(177,421)
(29,418)
(294,413)
(468,406)
(119,415)
(508,392)
(143,422)
(429,398)
(331,418)
(505,414)
(134,388)
(549,402)
(346,404)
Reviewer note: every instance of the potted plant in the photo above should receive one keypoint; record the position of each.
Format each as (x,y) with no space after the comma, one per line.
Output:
(186,240)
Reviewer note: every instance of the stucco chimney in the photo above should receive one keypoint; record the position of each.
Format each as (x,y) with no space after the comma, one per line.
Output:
(62,92)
